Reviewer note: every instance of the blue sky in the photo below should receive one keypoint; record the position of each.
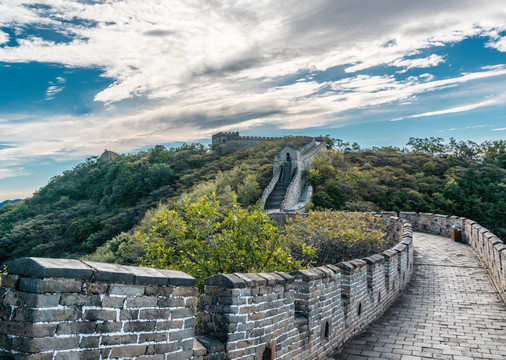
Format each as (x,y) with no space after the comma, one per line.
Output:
(78,77)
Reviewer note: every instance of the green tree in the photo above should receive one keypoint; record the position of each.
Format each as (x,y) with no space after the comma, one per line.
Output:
(203,239)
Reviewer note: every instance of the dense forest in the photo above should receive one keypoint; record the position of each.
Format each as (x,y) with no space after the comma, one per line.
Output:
(455,178)
(98,200)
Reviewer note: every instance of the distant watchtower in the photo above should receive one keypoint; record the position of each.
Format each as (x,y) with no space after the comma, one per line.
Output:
(225,137)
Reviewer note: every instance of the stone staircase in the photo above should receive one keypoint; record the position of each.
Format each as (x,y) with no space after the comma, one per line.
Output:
(278,193)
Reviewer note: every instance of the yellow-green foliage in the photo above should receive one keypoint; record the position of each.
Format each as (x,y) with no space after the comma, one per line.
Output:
(335,236)
(202,239)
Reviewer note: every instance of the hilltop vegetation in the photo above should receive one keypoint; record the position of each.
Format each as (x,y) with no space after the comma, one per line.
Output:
(98,201)
(458,178)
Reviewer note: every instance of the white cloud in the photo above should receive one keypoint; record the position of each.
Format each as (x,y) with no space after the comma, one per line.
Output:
(4,37)
(156,49)
(450,110)
(432,60)
(499,44)
(499,129)
(12,172)
(55,87)
(465,128)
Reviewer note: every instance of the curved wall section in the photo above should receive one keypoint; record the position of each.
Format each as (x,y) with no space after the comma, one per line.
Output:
(52,309)
(487,246)
(306,314)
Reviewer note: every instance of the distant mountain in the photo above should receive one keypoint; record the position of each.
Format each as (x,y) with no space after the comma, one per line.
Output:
(6,202)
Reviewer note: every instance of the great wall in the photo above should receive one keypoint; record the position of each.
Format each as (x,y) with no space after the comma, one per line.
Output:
(70,309)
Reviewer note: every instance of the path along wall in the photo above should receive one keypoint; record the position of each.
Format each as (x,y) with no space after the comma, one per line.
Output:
(488,247)
(68,309)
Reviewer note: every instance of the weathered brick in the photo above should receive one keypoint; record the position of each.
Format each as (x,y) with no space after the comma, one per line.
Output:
(49,285)
(108,327)
(42,300)
(79,300)
(153,337)
(96,287)
(119,339)
(129,314)
(89,342)
(127,290)
(113,301)
(75,328)
(182,313)
(150,314)
(141,301)
(138,326)
(168,325)
(40,345)
(47,315)
(27,330)
(102,315)
(171,302)
(128,351)
(181,334)
(185,291)
(78,355)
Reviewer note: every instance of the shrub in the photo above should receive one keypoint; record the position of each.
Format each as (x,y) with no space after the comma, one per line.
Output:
(335,236)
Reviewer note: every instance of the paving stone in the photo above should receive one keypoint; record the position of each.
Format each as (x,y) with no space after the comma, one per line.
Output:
(449,311)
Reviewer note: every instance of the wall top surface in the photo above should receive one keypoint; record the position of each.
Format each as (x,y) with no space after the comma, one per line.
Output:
(75,269)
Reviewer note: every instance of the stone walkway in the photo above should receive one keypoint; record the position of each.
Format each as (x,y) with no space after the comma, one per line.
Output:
(449,311)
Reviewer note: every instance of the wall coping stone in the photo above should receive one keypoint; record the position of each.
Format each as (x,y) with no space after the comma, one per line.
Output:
(288,278)
(227,281)
(272,279)
(358,263)
(346,266)
(387,254)
(400,247)
(374,259)
(252,279)
(75,269)
(333,268)
(306,274)
(46,268)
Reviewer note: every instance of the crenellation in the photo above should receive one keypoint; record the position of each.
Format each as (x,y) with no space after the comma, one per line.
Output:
(304,315)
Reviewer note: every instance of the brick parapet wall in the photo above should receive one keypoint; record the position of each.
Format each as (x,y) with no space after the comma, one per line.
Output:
(488,247)
(306,314)
(67,309)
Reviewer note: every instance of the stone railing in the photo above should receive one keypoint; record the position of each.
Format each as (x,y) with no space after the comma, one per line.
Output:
(69,309)
(488,247)
(272,184)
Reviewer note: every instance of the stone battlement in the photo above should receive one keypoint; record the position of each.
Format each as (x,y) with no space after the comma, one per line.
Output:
(70,309)
(225,138)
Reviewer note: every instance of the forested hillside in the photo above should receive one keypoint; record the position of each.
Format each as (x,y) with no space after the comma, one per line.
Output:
(100,200)
(81,209)
(455,178)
